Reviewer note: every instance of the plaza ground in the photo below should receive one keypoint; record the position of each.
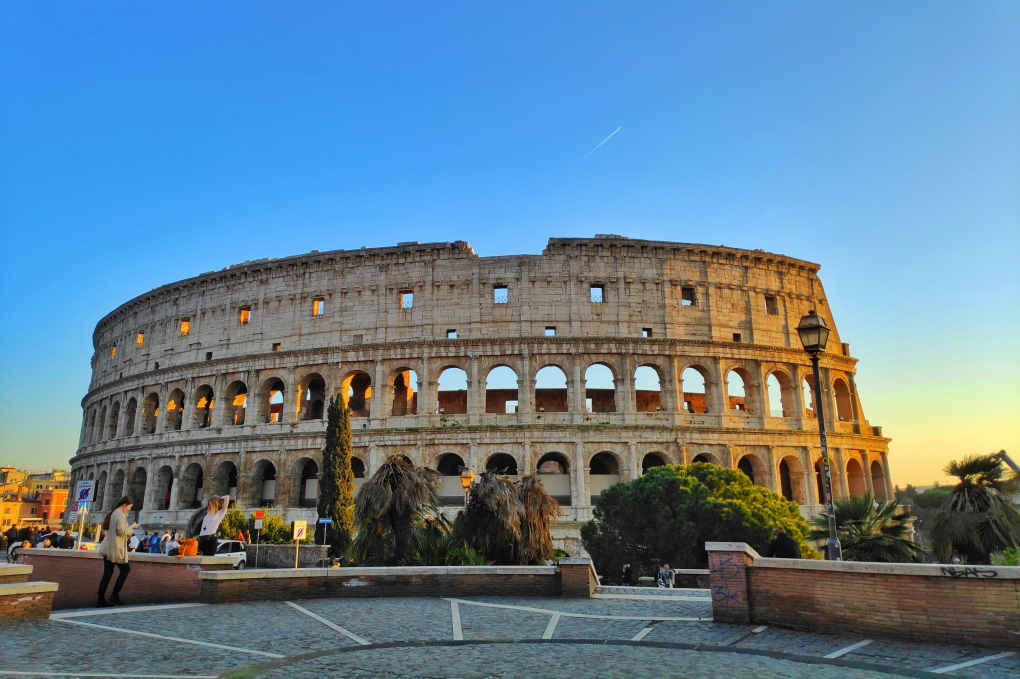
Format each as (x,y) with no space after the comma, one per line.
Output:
(616,635)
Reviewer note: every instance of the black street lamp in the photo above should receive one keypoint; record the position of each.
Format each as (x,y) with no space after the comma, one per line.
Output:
(813,335)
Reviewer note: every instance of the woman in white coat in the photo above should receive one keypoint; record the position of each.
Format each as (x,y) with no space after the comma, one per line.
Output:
(114,551)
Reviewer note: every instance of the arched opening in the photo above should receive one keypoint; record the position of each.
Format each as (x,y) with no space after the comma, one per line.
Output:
(114,419)
(603,472)
(652,460)
(553,470)
(225,479)
(271,401)
(308,488)
(791,480)
(264,484)
(164,487)
(90,434)
(117,486)
(647,389)
(357,468)
(746,466)
(237,403)
(599,389)
(452,392)
(311,397)
(736,392)
(844,407)
(551,390)
(190,494)
(703,457)
(878,481)
(820,482)
(501,391)
(100,494)
(780,394)
(501,463)
(855,478)
(150,413)
(451,493)
(693,385)
(356,392)
(129,426)
(102,424)
(808,390)
(175,411)
(405,392)
(203,406)
(137,488)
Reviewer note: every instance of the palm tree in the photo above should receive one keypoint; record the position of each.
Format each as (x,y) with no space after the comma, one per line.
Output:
(387,507)
(869,531)
(977,518)
(540,509)
(492,521)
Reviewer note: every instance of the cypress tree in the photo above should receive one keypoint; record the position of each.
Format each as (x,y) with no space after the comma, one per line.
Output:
(336,486)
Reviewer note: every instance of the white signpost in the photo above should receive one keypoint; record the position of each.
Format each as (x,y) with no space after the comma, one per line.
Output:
(83,493)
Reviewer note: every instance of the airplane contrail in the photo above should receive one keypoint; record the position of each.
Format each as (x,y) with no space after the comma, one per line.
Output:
(608,137)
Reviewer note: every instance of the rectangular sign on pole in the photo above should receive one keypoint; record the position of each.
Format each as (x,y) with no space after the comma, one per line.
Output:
(258,524)
(260,514)
(325,520)
(84,490)
(298,530)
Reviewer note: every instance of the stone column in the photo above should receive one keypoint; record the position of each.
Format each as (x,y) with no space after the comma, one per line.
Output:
(810,488)
(890,494)
(382,393)
(715,388)
(866,463)
(290,398)
(634,464)
(626,393)
(475,392)
(575,389)
(175,485)
(770,461)
(837,470)
(525,386)
(578,492)
(797,378)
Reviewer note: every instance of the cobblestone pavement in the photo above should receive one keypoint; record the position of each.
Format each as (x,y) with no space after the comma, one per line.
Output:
(476,637)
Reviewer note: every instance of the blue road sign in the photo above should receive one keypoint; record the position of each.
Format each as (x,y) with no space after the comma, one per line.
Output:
(325,519)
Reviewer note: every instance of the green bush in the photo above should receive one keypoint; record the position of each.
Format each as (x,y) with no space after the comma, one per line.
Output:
(275,531)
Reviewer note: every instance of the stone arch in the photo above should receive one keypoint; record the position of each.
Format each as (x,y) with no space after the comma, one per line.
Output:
(405,392)
(356,393)
(753,469)
(791,479)
(102,424)
(271,399)
(136,490)
(855,478)
(237,404)
(694,384)
(449,466)
(129,426)
(164,487)
(501,390)
(705,457)
(114,419)
(190,494)
(452,391)
(738,386)
(358,467)
(306,488)
(502,463)
(175,411)
(599,388)
(878,481)
(647,388)
(808,392)
(100,496)
(844,404)
(603,472)
(226,479)
(150,413)
(820,482)
(779,388)
(117,486)
(553,471)
(311,397)
(263,485)
(203,406)
(551,389)
(650,460)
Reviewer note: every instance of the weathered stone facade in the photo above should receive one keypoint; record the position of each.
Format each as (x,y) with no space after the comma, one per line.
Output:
(216,383)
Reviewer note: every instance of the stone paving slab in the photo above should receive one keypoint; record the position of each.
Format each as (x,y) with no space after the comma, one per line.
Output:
(806,643)
(616,607)
(695,632)
(480,622)
(389,619)
(587,628)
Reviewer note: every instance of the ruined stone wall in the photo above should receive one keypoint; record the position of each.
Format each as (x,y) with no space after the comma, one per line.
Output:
(336,322)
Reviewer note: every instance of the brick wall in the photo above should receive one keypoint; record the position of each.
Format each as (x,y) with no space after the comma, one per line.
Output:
(17,604)
(577,578)
(14,573)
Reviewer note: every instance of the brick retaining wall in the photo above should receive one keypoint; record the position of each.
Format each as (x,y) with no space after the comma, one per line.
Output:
(26,601)
(12,572)
(978,605)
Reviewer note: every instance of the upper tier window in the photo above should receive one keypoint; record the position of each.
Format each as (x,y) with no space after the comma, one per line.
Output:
(406,299)
(500,294)
(598,294)
(318,306)
(245,317)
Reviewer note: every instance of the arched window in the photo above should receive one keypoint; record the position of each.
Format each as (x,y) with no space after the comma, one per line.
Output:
(747,467)
(357,467)
(164,487)
(225,480)
(451,493)
(820,481)
(647,389)
(878,481)
(736,392)
(175,411)
(100,495)
(356,392)
(501,391)
(808,390)
(603,471)
(693,381)
(652,460)
(452,392)
(308,488)
(190,496)
(129,426)
(844,406)
(551,390)
(237,403)
(405,392)
(702,457)
(114,419)
(271,400)
(553,471)
(264,486)
(102,424)
(855,478)
(137,489)
(203,406)
(780,394)
(450,464)
(150,413)
(117,487)
(311,397)
(501,463)
(599,389)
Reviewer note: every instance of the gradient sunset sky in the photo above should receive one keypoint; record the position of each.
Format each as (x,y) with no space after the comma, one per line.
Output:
(144,143)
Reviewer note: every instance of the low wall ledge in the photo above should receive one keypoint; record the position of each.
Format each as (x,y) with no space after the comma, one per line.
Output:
(133,557)
(732,547)
(958,571)
(16,588)
(8,569)
(368,571)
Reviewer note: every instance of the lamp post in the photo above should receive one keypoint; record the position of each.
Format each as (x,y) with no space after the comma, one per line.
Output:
(467,479)
(813,335)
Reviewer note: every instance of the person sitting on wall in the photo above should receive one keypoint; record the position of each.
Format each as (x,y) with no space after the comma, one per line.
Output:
(783,546)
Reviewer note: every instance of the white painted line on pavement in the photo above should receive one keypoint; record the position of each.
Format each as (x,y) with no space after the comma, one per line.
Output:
(642,634)
(333,626)
(119,609)
(551,627)
(970,663)
(759,629)
(652,597)
(458,632)
(546,611)
(843,651)
(12,673)
(167,638)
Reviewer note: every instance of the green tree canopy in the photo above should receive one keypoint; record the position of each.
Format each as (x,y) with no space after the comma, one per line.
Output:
(868,531)
(336,485)
(667,515)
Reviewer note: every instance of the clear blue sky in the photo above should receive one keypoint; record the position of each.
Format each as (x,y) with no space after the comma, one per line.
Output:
(147,142)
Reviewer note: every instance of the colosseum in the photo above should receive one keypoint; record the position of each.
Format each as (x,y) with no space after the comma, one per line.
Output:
(587,364)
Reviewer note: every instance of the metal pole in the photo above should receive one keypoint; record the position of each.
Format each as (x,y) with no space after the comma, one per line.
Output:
(833,551)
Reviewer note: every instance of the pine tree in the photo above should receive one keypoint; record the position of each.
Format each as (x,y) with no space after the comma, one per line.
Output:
(336,487)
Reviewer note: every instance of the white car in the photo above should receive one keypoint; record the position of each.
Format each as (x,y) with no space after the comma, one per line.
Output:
(233,548)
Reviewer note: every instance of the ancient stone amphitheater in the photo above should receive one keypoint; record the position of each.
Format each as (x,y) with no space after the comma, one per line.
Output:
(587,364)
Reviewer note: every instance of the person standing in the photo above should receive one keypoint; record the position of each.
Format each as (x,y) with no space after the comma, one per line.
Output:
(214,513)
(114,551)
(627,577)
